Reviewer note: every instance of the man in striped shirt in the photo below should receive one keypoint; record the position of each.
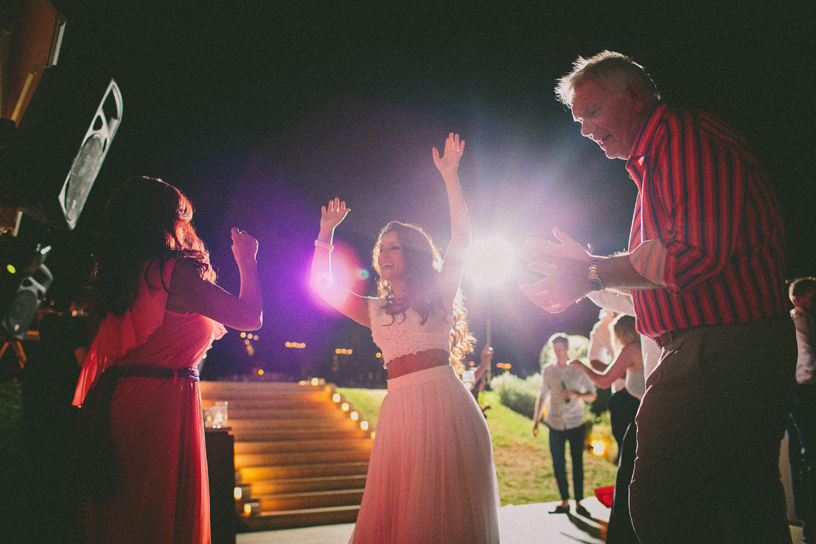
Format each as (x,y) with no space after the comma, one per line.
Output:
(705,268)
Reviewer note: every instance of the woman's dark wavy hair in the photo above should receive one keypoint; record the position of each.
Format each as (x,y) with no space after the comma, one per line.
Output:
(145,221)
(423,261)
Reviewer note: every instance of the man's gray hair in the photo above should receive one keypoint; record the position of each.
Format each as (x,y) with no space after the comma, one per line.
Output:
(612,71)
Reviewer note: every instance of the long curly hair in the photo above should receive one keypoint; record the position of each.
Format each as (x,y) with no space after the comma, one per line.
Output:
(145,221)
(423,261)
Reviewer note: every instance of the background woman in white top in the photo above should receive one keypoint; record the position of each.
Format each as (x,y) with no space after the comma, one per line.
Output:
(431,477)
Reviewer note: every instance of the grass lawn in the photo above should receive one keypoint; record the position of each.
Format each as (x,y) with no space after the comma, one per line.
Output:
(523,462)
(367,401)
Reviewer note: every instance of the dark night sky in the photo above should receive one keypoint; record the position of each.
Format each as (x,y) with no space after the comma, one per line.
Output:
(262,111)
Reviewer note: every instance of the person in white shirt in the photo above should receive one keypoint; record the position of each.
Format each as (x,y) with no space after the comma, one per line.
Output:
(564,390)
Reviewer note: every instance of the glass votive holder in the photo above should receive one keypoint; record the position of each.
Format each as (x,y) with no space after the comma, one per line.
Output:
(219,414)
(208,418)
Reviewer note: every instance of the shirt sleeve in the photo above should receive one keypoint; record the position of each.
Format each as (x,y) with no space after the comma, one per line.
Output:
(649,260)
(613,301)
(542,394)
(700,181)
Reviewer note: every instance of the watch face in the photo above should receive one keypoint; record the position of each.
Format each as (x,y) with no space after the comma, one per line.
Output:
(595,284)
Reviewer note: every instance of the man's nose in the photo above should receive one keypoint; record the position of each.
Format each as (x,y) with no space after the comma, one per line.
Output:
(586,129)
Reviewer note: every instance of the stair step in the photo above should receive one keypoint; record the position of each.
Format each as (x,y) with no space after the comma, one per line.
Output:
(264,435)
(233,391)
(310,499)
(301,485)
(297,454)
(300,458)
(278,402)
(267,387)
(280,446)
(241,425)
(268,521)
(330,412)
(251,474)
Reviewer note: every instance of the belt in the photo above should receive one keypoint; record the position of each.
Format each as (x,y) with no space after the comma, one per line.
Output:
(665,338)
(145,371)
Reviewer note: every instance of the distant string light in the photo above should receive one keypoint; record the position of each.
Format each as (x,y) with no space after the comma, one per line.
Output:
(342,351)
(504,366)
(296,345)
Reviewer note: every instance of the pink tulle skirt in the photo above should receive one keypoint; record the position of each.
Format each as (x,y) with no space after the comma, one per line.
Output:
(431,477)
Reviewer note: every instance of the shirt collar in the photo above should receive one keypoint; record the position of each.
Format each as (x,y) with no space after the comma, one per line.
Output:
(646,134)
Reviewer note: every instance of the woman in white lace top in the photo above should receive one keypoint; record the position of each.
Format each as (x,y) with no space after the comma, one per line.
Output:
(431,477)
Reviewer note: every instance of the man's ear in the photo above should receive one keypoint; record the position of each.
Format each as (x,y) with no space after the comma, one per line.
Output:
(638,97)
(797,301)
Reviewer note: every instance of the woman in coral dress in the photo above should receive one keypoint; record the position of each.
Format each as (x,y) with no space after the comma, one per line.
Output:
(143,457)
(431,478)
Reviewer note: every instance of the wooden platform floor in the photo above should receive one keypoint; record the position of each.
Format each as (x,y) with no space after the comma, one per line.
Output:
(525,524)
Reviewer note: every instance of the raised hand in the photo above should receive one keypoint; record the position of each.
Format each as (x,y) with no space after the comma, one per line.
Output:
(244,246)
(565,285)
(333,214)
(544,252)
(566,267)
(486,357)
(448,164)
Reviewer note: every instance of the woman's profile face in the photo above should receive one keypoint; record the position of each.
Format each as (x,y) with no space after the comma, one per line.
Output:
(391,260)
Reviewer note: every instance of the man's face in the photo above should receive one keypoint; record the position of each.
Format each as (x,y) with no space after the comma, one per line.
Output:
(807,302)
(560,351)
(610,119)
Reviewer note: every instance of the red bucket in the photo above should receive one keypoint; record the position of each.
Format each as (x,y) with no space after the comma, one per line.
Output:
(605,495)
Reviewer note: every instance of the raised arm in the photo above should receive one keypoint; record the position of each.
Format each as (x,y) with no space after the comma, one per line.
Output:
(348,303)
(190,293)
(448,166)
(484,362)
(629,358)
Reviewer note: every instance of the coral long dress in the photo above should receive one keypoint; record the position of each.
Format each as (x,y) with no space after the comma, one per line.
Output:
(162,493)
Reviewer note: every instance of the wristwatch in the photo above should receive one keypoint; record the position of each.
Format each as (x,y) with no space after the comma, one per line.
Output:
(594,281)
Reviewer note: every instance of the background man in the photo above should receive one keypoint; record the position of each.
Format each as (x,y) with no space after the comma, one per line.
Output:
(705,268)
(802,433)
(567,388)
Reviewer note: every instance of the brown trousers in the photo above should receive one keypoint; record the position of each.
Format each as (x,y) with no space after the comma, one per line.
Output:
(709,431)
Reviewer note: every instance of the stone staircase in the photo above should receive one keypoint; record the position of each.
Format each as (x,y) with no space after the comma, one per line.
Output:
(301,452)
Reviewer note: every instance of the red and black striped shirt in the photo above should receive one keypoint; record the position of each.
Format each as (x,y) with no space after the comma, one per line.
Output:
(703,195)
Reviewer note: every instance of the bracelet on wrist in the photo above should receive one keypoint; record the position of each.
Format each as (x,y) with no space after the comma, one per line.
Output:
(594,281)
(325,245)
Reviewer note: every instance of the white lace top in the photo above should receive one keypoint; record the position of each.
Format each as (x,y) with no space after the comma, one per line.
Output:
(397,335)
